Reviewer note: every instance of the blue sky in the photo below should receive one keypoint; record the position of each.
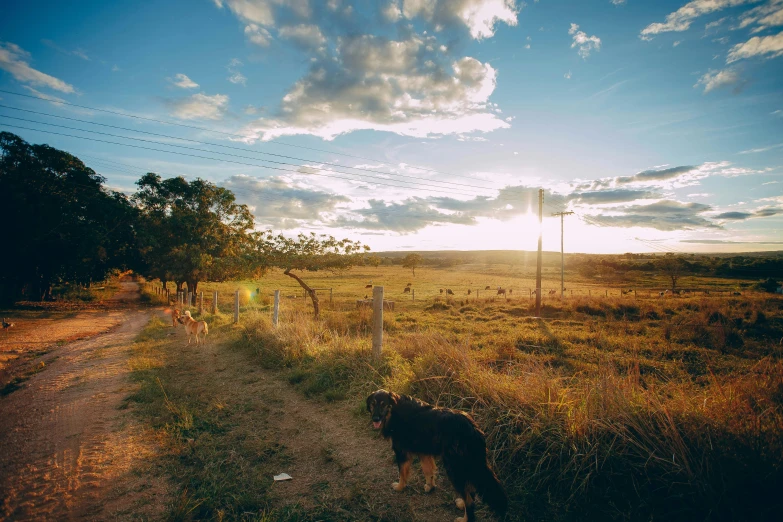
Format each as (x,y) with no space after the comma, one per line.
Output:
(426,124)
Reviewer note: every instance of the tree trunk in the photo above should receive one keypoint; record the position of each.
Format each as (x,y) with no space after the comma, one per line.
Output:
(310,291)
(192,286)
(179,286)
(164,283)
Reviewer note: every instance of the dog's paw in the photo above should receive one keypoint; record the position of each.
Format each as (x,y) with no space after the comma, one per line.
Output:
(428,488)
(460,505)
(396,486)
(461,519)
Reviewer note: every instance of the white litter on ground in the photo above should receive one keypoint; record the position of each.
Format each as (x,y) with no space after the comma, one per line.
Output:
(283,476)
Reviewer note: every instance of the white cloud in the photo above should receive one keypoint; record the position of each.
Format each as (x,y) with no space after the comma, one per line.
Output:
(304,35)
(567,75)
(586,44)
(182,81)
(115,68)
(394,86)
(757,46)
(676,43)
(762,149)
(618,2)
(258,35)
(681,19)
(764,16)
(54,99)
(392,11)
(15,60)
(199,107)
(715,79)
(237,78)
(480,16)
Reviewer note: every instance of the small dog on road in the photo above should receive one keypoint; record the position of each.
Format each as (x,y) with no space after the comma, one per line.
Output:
(193,327)
(418,428)
(175,315)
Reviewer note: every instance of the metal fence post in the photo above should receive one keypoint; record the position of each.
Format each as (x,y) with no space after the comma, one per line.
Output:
(214,302)
(377,321)
(276,309)
(236,307)
(201,302)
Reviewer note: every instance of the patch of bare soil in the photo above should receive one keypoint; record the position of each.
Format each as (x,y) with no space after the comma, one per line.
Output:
(67,451)
(338,463)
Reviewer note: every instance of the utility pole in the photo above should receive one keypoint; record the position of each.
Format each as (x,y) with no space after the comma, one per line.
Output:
(562,255)
(538,258)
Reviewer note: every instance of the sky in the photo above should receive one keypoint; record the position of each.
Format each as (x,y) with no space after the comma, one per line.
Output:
(426,124)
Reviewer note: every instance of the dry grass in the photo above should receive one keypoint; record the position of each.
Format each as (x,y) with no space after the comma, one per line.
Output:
(604,408)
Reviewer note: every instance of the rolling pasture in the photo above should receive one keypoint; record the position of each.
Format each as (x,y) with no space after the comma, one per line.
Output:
(623,406)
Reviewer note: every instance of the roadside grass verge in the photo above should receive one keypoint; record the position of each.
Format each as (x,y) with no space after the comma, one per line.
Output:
(216,454)
(611,410)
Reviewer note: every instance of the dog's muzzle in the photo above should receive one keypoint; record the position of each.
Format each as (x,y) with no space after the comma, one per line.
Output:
(376,424)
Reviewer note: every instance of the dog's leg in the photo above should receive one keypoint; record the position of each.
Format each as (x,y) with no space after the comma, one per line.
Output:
(468,506)
(404,460)
(429,469)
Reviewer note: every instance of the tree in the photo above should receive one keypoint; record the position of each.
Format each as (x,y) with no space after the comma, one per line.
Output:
(191,231)
(672,267)
(412,261)
(309,253)
(60,222)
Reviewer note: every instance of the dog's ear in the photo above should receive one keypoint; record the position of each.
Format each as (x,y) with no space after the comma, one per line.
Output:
(394,398)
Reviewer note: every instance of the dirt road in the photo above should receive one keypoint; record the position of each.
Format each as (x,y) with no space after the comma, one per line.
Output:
(66,448)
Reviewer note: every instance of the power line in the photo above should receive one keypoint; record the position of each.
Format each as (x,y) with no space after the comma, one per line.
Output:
(205,129)
(225,146)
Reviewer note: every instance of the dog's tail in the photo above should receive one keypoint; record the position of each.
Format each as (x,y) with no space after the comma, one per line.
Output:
(206,329)
(489,487)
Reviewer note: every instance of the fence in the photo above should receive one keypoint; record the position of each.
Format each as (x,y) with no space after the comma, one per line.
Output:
(379,304)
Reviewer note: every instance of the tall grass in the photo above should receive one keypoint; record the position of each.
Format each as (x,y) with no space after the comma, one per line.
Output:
(617,409)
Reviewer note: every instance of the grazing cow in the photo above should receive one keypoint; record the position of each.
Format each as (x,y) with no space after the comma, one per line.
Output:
(626,292)
(501,291)
(469,291)
(409,284)
(407,290)
(368,286)
(441,290)
(736,293)
(487,288)
(552,292)
(449,292)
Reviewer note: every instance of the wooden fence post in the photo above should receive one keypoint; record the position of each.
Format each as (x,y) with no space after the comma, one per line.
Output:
(276,309)
(214,302)
(190,298)
(413,295)
(377,322)
(201,302)
(236,307)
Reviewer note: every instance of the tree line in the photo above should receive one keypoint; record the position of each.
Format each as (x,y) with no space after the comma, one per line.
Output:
(61,224)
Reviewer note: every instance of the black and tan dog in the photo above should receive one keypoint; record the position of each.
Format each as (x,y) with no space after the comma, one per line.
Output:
(420,429)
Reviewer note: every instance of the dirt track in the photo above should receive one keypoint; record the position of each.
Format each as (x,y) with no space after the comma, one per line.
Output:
(65,447)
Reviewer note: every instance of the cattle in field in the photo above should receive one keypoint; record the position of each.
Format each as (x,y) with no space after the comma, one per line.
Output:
(368,286)
(736,293)
(501,291)
(510,291)
(441,290)
(409,284)
(552,293)
(449,292)
(407,290)
(626,292)
(487,287)
(469,291)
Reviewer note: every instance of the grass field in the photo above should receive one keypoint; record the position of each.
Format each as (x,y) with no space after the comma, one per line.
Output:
(622,407)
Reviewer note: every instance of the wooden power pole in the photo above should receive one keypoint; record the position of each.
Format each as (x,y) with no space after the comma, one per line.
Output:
(538,258)
(562,255)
